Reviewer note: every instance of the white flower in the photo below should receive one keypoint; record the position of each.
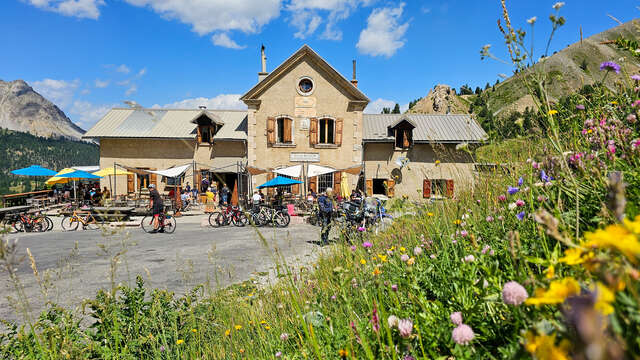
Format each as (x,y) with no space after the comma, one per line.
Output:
(393,321)
(532,20)
(558,5)
(469,258)
(512,206)
(539,184)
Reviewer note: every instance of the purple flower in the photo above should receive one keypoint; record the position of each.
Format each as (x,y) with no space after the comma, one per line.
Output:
(512,190)
(433,256)
(520,181)
(464,233)
(542,198)
(284,336)
(514,293)
(544,177)
(580,107)
(469,258)
(353,248)
(394,287)
(456,318)
(610,66)
(489,218)
(502,197)
(404,257)
(367,244)
(485,249)
(636,103)
(161,348)
(462,334)
(405,326)
(361,229)
(333,297)
(519,202)
(417,251)
(279,354)
(635,77)
(409,357)
(520,215)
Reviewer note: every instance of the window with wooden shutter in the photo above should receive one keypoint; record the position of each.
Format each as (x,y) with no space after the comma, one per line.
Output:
(369,187)
(313,183)
(271,130)
(337,177)
(286,131)
(339,126)
(450,188)
(313,131)
(153,178)
(426,188)
(130,183)
(391,188)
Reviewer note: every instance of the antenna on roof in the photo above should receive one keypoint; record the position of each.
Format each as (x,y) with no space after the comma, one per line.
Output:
(132,104)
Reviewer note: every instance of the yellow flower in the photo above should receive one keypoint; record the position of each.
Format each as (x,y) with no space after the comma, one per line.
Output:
(383,258)
(402,249)
(633,226)
(550,272)
(238,327)
(241,351)
(227,332)
(617,237)
(262,322)
(376,272)
(437,162)
(553,112)
(343,353)
(604,298)
(411,261)
(429,214)
(572,256)
(558,291)
(589,131)
(180,341)
(543,347)
(363,261)
(614,102)
(267,327)
(194,331)
(457,222)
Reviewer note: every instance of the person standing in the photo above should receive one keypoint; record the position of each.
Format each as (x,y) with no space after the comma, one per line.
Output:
(325,205)
(224,194)
(156,206)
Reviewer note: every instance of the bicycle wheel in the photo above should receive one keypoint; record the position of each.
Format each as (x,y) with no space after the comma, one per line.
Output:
(18,226)
(287,218)
(169,225)
(279,220)
(147,223)
(49,223)
(92,223)
(239,219)
(213,219)
(40,224)
(69,223)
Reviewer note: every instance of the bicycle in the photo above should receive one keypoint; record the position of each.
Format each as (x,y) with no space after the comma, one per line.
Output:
(28,223)
(167,223)
(230,214)
(71,222)
(266,215)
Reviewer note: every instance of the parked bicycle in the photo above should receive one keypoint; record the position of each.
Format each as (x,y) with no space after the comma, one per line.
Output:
(278,217)
(167,223)
(73,221)
(229,215)
(24,222)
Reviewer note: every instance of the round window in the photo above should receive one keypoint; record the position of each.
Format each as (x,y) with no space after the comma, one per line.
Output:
(305,86)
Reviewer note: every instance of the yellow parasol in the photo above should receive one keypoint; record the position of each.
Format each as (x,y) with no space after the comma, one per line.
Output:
(111,171)
(344,186)
(55,179)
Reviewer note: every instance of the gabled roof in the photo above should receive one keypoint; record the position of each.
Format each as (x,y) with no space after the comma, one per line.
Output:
(167,124)
(305,50)
(400,119)
(428,128)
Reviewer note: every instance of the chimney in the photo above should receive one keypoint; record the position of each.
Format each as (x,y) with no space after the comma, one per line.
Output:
(263,74)
(202,107)
(354,81)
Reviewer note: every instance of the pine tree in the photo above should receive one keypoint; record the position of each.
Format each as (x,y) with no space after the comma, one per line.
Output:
(396,109)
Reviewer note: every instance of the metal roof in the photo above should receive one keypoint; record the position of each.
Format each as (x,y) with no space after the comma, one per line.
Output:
(429,128)
(166,124)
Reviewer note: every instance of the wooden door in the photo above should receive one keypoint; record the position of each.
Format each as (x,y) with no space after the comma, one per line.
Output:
(369,187)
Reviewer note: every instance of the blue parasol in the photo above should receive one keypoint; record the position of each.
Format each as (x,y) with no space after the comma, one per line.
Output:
(279,181)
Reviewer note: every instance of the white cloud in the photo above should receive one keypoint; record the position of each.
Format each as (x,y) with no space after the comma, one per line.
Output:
(131,90)
(222,101)
(124,82)
(384,33)
(222,39)
(60,92)
(306,16)
(101,84)
(86,114)
(207,16)
(123,69)
(142,72)
(78,8)
(375,107)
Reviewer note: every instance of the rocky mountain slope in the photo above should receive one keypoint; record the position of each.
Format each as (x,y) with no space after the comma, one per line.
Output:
(440,100)
(23,109)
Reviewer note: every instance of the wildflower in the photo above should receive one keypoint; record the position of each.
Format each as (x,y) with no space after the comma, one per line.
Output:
(238,327)
(284,336)
(502,198)
(464,233)
(333,297)
(514,293)
(382,258)
(469,258)
(543,347)
(417,251)
(558,291)
(353,248)
(558,5)
(402,249)
(520,215)
(194,331)
(374,319)
(404,257)
(343,353)
(544,177)
(457,222)
(580,107)
(572,256)
(411,261)
(553,112)
(512,206)
(542,198)
(637,102)
(604,298)
(520,181)
(437,162)
(393,321)
(519,202)
(361,229)
(363,261)
(535,165)
(550,272)
(433,256)
(632,118)
(227,332)
(429,214)
(617,237)
(179,342)
(376,272)
(489,218)
(456,318)
(405,326)
(610,66)
(394,287)
(532,20)
(161,348)
(500,218)
(512,190)
(367,244)
(462,334)
(279,354)
(485,249)
(408,357)
(635,144)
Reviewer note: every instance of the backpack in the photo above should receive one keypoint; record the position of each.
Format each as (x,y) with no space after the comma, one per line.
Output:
(325,204)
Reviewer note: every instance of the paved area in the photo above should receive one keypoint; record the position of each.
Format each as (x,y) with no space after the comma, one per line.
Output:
(74,265)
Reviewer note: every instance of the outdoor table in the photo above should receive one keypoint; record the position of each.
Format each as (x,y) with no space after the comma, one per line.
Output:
(112,213)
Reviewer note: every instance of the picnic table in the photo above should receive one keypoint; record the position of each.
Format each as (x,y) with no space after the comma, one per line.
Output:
(21,198)
(13,209)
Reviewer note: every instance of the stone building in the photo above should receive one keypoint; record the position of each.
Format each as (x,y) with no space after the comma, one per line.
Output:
(305,121)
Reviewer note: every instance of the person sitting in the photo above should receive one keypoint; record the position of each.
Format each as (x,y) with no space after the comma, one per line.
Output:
(185,198)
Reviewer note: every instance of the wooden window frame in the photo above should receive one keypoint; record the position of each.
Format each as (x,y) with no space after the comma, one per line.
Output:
(406,141)
(279,134)
(326,128)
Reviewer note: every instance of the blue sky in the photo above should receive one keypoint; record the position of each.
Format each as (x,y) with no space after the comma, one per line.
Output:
(89,55)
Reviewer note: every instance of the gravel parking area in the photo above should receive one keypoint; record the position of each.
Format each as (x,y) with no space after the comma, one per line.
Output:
(74,265)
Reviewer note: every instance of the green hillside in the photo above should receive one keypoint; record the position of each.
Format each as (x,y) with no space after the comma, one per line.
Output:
(21,149)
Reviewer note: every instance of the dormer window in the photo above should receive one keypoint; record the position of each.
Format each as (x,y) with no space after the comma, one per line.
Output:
(402,131)
(207,129)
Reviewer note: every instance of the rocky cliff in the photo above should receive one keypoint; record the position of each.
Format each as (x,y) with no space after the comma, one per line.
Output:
(440,100)
(23,109)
